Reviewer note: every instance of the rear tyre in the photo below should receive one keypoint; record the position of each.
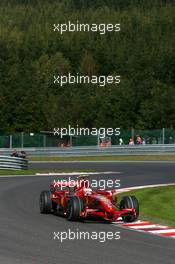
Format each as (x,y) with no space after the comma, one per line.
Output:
(45,202)
(74,209)
(130,202)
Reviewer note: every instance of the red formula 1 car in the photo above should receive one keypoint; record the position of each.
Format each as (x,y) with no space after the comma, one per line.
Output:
(80,202)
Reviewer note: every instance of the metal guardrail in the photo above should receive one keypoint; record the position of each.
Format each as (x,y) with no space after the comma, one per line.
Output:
(13,163)
(97,151)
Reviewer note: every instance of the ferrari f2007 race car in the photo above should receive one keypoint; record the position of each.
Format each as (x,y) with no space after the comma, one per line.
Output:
(81,202)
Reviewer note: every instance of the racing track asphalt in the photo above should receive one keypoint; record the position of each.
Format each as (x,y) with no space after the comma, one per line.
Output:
(26,236)
(131,173)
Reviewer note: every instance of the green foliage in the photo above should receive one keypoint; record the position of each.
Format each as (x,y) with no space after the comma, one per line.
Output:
(31,53)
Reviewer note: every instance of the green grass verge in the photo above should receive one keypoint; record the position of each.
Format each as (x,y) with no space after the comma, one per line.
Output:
(108,158)
(156,204)
(34,171)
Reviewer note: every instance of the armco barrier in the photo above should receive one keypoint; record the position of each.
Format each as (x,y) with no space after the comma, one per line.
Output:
(97,151)
(13,163)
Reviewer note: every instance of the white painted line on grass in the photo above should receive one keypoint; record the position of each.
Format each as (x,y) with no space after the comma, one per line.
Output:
(143,187)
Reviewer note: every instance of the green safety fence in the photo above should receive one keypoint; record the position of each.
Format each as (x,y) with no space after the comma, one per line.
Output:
(149,136)
(4,141)
(39,140)
(125,135)
(85,141)
(169,136)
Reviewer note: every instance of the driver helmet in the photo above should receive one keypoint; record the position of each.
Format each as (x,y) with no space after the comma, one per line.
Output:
(87,191)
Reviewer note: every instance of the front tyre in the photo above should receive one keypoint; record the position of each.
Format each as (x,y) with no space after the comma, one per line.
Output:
(45,202)
(130,202)
(74,209)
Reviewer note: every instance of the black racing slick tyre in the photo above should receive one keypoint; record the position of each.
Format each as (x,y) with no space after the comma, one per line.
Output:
(136,205)
(45,202)
(129,202)
(75,206)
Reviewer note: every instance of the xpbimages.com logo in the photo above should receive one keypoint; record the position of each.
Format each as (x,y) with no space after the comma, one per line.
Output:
(101,184)
(101,80)
(85,235)
(101,28)
(81,131)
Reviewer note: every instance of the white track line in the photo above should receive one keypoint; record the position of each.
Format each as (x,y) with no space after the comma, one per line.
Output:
(60,174)
(17,176)
(77,173)
(105,161)
(142,226)
(162,231)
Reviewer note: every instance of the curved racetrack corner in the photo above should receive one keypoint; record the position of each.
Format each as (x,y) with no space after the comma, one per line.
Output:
(26,236)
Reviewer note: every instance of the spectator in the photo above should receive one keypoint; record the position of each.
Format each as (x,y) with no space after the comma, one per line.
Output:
(121,141)
(139,140)
(144,142)
(14,153)
(148,140)
(23,154)
(108,143)
(154,141)
(170,140)
(131,141)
